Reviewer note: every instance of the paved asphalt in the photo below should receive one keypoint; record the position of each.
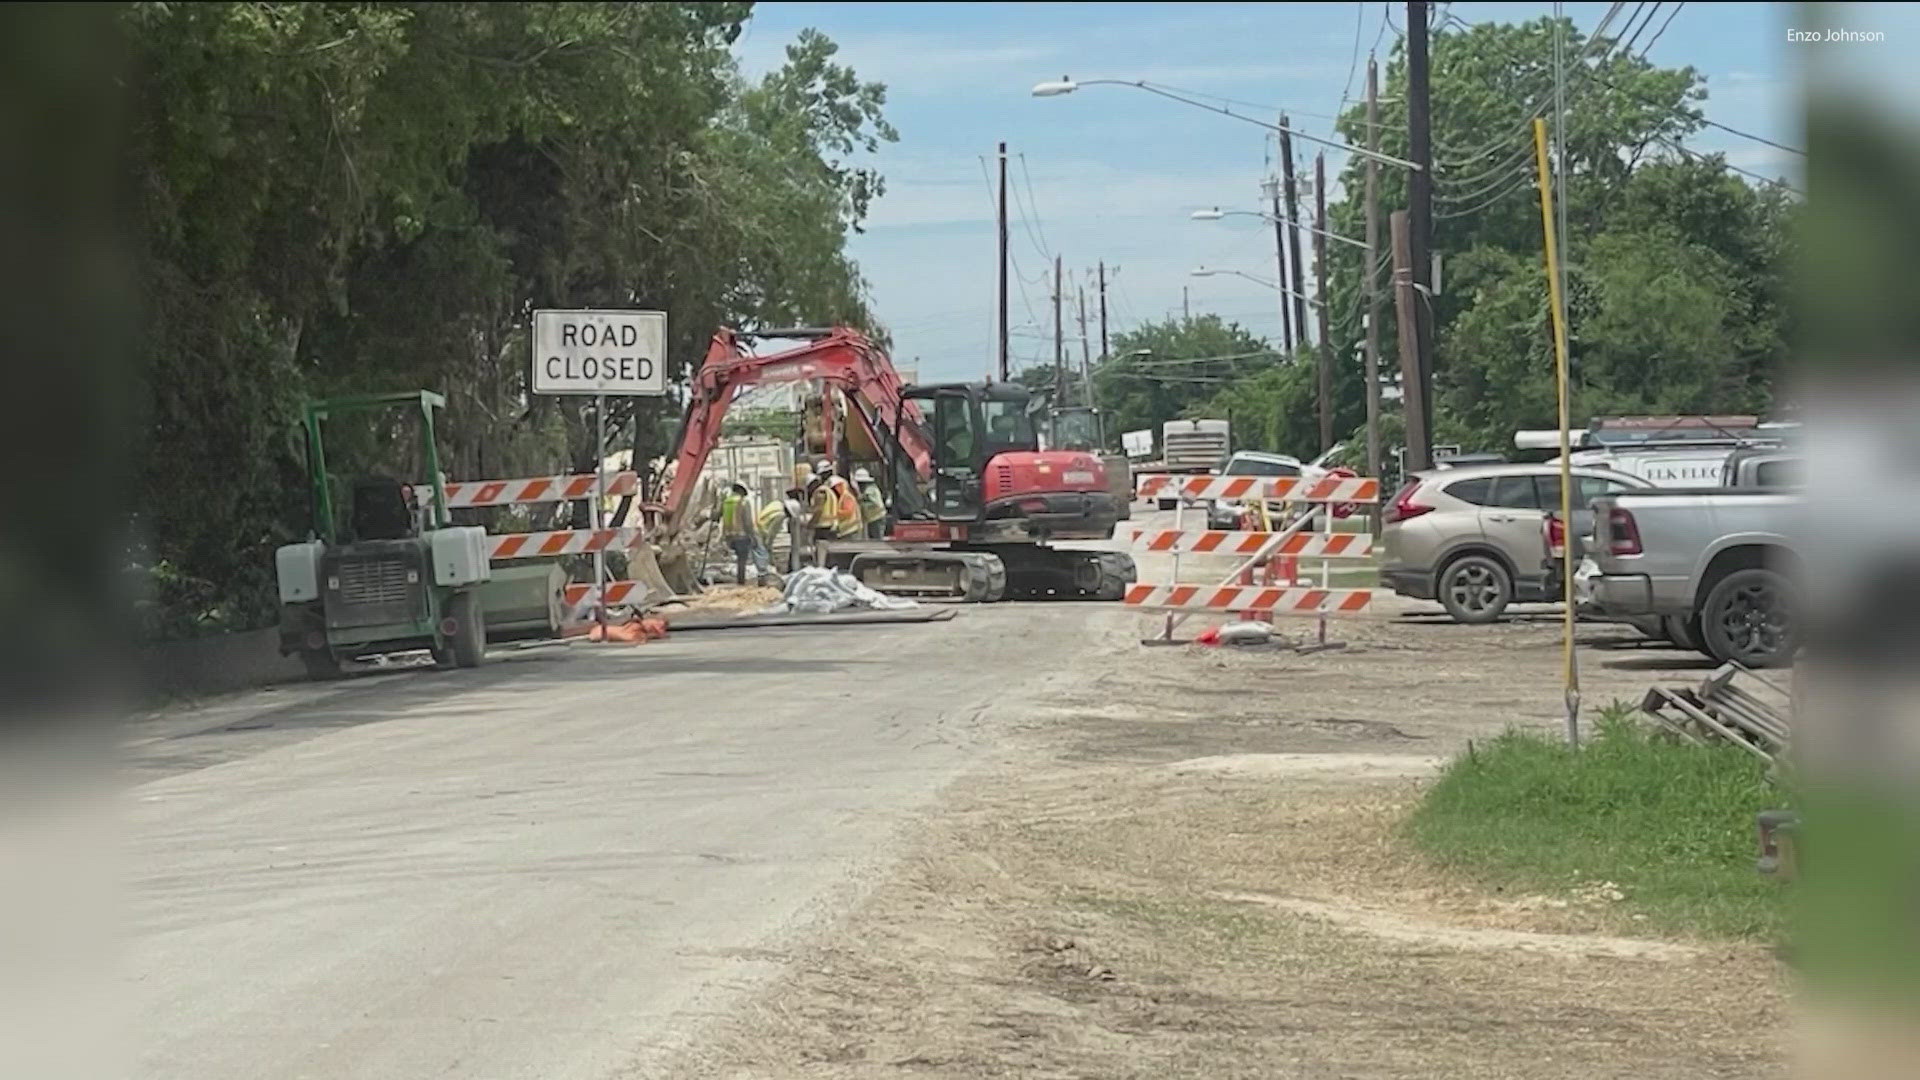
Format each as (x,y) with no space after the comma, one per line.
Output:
(553,866)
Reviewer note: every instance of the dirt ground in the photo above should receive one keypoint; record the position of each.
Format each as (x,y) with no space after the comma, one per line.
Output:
(1187,863)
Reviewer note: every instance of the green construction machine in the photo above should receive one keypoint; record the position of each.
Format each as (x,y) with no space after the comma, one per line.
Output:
(394,574)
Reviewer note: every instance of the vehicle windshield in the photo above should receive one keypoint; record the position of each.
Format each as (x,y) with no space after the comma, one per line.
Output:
(1076,429)
(1007,426)
(1257,467)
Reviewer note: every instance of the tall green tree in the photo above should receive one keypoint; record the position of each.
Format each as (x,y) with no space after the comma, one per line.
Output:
(1160,371)
(373,196)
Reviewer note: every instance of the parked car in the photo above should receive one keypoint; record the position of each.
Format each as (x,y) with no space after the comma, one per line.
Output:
(1226,513)
(1470,537)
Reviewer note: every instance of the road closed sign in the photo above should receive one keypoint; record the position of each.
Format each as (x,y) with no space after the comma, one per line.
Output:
(600,352)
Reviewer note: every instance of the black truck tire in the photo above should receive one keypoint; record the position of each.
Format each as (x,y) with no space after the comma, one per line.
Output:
(1749,619)
(469,642)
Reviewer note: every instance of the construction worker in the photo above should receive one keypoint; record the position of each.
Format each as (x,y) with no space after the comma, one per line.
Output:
(784,515)
(740,527)
(873,504)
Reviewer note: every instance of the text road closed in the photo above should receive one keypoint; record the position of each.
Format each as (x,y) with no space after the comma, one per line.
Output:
(599,352)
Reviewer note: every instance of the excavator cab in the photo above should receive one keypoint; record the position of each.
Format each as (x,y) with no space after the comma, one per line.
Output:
(970,425)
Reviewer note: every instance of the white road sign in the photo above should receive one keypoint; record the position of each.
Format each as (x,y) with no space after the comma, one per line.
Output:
(600,352)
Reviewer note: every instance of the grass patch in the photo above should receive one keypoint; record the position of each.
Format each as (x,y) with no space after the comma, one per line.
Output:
(1671,825)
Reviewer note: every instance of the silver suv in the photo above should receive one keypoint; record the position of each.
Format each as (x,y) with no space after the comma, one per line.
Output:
(1471,537)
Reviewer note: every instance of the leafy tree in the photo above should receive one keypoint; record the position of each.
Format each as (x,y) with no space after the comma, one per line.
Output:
(1161,371)
(373,196)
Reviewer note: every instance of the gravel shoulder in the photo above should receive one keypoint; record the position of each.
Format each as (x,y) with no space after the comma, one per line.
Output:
(1187,862)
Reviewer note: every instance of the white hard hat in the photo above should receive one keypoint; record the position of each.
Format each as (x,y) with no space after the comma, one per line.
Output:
(822,467)
(862,476)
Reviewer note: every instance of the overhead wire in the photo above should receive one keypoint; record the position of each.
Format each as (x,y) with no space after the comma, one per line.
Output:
(1662,30)
(1033,205)
(1013,262)
(1542,95)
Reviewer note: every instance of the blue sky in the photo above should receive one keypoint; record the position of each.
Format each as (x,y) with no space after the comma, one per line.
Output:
(1114,172)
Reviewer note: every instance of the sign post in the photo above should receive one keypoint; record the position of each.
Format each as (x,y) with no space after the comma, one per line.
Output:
(600,352)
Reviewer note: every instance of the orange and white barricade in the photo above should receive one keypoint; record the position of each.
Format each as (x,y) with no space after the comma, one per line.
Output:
(536,489)
(536,545)
(1259,554)
(582,602)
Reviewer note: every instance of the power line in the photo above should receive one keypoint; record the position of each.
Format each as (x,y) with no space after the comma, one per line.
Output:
(1662,30)
(1652,12)
(1346,91)
(1033,204)
(1721,160)
(1542,93)
(1020,279)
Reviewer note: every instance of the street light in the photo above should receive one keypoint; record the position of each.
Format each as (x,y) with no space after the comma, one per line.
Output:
(1204,271)
(1216,214)
(1066,85)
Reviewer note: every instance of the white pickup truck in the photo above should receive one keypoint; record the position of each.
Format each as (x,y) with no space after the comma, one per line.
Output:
(1717,565)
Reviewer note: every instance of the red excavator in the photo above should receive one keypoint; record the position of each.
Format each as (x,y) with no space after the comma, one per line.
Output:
(974,499)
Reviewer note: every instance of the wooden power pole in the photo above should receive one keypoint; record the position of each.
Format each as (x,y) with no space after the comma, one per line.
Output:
(1420,224)
(1373,272)
(1280,260)
(1407,306)
(1086,358)
(1293,234)
(1320,288)
(1059,341)
(1004,374)
(1103,311)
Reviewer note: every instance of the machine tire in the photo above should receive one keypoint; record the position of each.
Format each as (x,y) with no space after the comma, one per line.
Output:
(1749,619)
(469,645)
(1475,589)
(321,664)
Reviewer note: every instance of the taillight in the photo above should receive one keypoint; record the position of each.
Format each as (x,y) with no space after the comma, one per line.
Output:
(1556,532)
(1403,507)
(1623,533)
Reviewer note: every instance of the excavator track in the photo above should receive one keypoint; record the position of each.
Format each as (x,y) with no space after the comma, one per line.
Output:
(973,577)
(1037,572)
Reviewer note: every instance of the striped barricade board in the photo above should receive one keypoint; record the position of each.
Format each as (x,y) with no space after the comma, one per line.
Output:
(1221,542)
(1327,489)
(535,489)
(1234,599)
(580,600)
(562,542)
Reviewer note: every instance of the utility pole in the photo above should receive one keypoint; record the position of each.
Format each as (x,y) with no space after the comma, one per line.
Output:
(1420,222)
(1280,260)
(1407,305)
(1320,288)
(1103,311)
(1186,304)
(1003,263)
(1372,278)
(1293,234)
(1059,342)
(1086,360)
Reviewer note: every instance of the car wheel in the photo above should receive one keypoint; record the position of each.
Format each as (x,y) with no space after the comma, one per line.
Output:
(1475,589)
(1748,619)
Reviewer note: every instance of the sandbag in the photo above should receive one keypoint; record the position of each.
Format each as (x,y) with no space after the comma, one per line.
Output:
(818,590)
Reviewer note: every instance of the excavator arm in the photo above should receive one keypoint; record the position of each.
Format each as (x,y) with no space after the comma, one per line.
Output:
(840,358)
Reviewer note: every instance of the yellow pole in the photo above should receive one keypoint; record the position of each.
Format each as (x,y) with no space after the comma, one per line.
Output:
(1569,663)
